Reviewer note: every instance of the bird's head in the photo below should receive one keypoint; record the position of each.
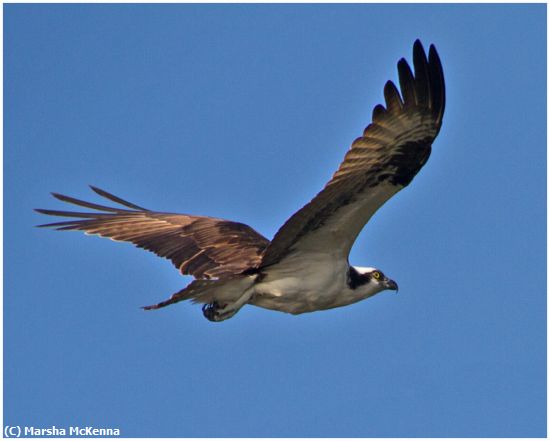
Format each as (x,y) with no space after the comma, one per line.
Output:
(369,281)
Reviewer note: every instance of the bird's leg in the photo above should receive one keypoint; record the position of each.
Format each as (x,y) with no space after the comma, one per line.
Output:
(217,313)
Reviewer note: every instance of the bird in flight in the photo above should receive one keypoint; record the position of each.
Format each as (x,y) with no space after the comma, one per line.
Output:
(305,267)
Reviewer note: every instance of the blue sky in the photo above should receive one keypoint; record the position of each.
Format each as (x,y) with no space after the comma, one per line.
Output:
(244,112)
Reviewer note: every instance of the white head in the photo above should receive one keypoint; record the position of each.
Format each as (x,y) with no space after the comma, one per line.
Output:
(367,281)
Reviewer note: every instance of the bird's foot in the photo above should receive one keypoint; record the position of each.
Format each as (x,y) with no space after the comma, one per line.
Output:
(217,313)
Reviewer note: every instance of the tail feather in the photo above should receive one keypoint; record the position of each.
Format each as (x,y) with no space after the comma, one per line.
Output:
(197,288)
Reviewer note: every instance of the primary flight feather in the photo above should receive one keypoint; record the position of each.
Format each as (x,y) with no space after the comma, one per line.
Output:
(305,267)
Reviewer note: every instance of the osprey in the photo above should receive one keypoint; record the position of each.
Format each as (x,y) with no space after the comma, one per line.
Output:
(305,267)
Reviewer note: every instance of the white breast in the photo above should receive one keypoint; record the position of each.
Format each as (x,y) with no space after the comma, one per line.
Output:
(304,283)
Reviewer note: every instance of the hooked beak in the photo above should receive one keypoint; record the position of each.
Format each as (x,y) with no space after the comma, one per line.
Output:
(390,284)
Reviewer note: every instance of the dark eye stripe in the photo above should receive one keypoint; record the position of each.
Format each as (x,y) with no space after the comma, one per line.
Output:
(356,280)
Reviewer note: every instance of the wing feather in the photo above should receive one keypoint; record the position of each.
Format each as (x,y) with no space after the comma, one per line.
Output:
(438,89)
(421,76)
(393,100)
(204,247)
(406,82)
(392,150)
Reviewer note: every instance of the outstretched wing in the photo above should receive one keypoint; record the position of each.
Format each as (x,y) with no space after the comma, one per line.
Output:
(392,150)
(204,247)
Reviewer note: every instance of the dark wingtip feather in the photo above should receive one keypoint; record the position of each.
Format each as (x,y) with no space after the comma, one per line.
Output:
(51,212)
(421,75)
(42,226)
(393,99)
(82,203)
(59,226)
(438,83)
(116,199)
(378,112)
(426,87)
(417,46)
(71,213)
(406,82)
(41,211)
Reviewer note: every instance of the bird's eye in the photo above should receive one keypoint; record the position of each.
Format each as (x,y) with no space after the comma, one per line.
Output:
(376,275)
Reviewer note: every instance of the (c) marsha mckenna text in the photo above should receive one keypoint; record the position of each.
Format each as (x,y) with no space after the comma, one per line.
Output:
(71,431)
